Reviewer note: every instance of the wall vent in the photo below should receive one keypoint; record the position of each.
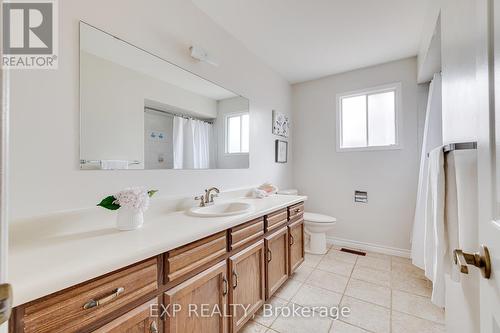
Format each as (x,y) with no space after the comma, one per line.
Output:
(361,196)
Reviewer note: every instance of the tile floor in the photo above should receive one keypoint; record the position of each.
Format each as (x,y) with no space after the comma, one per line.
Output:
(385,294)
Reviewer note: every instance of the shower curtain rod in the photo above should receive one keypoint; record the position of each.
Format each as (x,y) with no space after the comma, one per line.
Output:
(177,114)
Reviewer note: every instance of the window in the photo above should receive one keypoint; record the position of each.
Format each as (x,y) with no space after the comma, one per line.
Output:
(237,133)
(368,119)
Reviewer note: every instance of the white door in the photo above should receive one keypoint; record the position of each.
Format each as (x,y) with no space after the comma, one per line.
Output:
(489,165)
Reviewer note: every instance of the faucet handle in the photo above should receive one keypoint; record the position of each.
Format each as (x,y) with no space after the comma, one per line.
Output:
(202,200)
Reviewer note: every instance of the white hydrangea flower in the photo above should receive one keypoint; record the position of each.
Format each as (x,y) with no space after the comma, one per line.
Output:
(135,198)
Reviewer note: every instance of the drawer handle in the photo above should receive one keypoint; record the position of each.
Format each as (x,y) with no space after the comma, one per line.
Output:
(95,303)
(292,240)
(224,286)
(297,210)
(269,255)
(153,328)
(235,283)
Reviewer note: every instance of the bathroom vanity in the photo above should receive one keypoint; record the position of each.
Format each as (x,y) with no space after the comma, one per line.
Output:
(199,285)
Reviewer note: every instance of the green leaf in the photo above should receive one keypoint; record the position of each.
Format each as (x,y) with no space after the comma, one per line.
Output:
(109,203)
(152,192)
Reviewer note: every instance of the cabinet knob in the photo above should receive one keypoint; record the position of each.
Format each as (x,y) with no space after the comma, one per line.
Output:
(292,240)
(269,255)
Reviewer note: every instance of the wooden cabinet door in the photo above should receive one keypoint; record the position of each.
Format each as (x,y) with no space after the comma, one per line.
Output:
(295,245)
(276,260)
(138,320)
(247,284)
(200,303)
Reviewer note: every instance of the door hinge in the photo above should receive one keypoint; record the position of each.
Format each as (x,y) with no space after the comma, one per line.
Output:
(5,302)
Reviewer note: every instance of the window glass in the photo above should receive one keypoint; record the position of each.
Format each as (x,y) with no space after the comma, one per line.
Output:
(354,122)
(381,119)
(234,135)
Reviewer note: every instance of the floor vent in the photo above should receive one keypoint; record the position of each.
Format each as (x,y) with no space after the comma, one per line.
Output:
(359,253)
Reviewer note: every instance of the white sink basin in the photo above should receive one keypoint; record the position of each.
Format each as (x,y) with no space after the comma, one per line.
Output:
(222,209)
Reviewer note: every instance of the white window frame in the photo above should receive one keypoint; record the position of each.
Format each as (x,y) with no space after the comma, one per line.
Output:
(396,87)
(226,132)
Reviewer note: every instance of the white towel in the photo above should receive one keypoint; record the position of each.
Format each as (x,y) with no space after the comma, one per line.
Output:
(461,205)
(114,165)
(436,240)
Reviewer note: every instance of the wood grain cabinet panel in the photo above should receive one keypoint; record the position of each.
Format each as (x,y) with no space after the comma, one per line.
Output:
(247,284)
(246,233)
(201,303)
(188,258)
(72,309)
(138,320)
(276,260)
(295,245)
(276,220)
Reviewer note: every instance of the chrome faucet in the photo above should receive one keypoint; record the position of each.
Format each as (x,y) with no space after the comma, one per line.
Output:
(208,197)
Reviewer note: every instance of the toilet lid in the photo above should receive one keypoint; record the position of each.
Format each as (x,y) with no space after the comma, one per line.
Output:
(319,218)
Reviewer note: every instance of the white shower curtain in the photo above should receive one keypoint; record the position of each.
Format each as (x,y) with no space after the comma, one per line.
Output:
(192,143)
(432,138)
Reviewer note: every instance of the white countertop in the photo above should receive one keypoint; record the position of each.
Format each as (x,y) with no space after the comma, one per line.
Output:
(51,253)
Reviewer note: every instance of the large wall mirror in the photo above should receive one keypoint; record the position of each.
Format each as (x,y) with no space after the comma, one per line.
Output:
(139,111)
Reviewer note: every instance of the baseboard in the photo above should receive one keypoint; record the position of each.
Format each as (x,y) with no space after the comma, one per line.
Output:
(393,251)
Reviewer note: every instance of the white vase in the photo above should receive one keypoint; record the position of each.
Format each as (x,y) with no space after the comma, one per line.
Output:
(129,219)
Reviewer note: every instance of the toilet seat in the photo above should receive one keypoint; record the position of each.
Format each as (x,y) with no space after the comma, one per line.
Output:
(318,218)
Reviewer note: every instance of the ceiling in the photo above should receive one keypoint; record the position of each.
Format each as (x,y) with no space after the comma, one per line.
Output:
(308,39)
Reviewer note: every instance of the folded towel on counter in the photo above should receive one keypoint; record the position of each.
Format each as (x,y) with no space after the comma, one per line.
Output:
(114,164)
(264,190)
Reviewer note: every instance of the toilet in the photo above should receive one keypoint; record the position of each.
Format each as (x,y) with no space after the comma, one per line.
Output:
(316,227)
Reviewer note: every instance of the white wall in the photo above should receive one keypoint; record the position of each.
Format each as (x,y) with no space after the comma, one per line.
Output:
(45,173)
(330,178)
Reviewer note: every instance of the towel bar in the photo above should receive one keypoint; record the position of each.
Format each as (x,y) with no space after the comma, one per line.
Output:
(459,146)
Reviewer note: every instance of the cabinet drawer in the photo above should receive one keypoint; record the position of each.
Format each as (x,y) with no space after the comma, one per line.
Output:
(139,319)
(276,220)
(246,233)
(72,309)
(296,211)
(188,258)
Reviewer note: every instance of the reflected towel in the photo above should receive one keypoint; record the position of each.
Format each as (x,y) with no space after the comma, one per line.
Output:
(114,165)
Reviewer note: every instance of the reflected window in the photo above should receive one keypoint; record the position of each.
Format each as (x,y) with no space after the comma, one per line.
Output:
(237,133)
(368,120)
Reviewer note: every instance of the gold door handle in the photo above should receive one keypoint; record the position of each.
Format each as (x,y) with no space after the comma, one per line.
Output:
(95,303)
(480,260)
(5,302)
(153,328)
(224,286)
(235,282)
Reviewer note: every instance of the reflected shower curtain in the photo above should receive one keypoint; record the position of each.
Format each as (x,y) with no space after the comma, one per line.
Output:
(193,142)
(432,138)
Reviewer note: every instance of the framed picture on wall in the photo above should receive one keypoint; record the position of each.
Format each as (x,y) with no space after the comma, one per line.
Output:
(281,124)
(281,151)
